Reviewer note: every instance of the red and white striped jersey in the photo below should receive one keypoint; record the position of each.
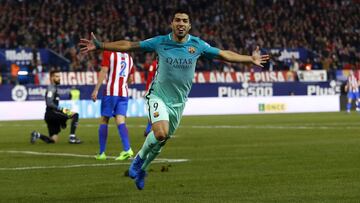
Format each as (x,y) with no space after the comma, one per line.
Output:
(352,84)
(151,73)
(120,68)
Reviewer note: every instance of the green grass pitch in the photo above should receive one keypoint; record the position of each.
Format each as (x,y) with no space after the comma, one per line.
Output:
(311,157)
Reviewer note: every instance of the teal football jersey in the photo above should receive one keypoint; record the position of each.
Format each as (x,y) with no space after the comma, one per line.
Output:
(176,65)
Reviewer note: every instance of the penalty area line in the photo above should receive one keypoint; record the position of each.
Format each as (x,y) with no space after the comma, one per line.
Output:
(160,160)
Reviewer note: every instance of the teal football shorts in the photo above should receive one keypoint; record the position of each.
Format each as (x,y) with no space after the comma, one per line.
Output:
(158,110)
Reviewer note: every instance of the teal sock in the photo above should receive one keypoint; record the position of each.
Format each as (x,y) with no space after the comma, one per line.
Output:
(149,143)
(155,151)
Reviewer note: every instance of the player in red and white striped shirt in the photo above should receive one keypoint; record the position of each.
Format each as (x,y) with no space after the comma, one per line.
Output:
(352,88)
(118,67)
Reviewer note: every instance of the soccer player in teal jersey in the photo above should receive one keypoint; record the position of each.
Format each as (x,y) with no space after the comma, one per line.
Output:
(178,52)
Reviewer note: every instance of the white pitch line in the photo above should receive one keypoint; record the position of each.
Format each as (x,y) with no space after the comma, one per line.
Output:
(65,166)
(85,165)
(161,160)
(77,155)
(300,127)
(268,127)
(50,154)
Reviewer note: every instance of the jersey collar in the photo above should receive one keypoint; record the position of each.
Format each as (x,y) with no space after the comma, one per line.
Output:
(171,38)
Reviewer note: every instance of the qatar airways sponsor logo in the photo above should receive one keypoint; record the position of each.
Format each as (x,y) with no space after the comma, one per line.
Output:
(179,63)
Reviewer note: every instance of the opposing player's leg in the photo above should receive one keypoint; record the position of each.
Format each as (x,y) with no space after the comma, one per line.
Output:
(54,130)
(106,109)
(37,135)
(124,137)
(348,106)
(357,102)
(102,134)
(120,113)
(74,123)
(53,121)
(148,128)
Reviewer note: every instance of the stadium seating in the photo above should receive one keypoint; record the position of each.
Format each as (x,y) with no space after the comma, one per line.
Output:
(228,24)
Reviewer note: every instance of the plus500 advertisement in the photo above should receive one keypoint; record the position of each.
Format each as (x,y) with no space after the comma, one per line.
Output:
(37,92)
(27,102)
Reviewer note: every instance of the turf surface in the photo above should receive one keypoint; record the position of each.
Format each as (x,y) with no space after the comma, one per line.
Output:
(245,158)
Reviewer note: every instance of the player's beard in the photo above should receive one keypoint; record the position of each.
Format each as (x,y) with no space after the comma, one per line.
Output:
(181,34)
(57,82)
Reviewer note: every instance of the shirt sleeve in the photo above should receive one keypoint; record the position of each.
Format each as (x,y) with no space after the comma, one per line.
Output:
(106,59)
(49,99)
(132,66)
(150,44)
(209,51)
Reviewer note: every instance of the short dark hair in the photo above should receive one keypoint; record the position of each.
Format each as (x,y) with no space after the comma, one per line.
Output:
(52,72)
(181,10)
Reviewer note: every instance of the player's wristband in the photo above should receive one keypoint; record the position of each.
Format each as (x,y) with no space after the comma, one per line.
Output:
(98,44)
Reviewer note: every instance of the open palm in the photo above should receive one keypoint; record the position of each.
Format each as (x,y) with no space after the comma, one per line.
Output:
(259,59)
(87,45)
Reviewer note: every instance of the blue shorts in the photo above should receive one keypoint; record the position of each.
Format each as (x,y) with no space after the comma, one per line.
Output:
(353,95)
(114,105)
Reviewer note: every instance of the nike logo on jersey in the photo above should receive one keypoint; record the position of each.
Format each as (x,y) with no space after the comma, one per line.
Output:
(168,48)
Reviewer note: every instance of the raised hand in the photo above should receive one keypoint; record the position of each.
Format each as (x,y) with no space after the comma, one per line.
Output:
(259,59)
(89,45)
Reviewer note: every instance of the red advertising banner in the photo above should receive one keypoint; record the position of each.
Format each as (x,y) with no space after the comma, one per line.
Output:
(236,77)
(90,78)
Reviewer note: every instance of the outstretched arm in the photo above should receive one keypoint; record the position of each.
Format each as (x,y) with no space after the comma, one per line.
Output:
(94,44)
(234,57)
(102,75)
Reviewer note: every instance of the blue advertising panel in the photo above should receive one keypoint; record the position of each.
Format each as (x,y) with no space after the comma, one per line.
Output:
(24,57)
(90,109)
(286,54)
(265,89)
(36,92)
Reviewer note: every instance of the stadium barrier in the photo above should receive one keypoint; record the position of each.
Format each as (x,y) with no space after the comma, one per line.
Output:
(34,110)
(23,102)
(37,92)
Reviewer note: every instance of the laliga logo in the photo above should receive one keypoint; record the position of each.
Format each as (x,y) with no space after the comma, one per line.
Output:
(19,93)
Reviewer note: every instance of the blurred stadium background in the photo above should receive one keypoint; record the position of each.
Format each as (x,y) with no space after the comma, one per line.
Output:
(313,46)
